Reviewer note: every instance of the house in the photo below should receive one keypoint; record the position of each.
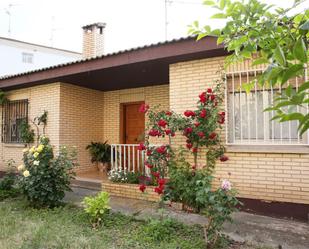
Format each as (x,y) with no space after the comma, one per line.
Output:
(97,99)
(19,56)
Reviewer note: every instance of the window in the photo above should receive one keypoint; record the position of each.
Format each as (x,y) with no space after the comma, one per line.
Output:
(27,58)
(248,123)
(14,113)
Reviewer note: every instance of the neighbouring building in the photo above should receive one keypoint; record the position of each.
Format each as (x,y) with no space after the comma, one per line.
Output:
(97,99)
(19,56)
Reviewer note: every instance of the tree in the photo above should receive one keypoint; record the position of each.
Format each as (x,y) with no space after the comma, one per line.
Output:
(272,37)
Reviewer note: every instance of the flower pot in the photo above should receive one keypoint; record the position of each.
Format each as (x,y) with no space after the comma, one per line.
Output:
(103,167)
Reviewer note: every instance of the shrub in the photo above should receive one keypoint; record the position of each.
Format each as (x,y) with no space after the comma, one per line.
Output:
(8,183)
(100,152)
(45,178)
(97,207)
(129,177)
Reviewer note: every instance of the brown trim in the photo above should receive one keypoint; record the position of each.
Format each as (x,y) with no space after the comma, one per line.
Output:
(286,149)
(288,210)
(170,52)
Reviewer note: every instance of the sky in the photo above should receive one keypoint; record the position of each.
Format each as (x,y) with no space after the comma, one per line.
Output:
(129,23)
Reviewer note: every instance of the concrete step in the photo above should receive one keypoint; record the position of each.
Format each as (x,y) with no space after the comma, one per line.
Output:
(86,183)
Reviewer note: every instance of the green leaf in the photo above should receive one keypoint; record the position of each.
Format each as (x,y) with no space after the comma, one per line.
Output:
(260,61)
(222,4)
(218,16)
(300,51)
(209,3)
(305,26)
(291,72)
(279,55)
(304,86)
(292,116)
(220,40)
(200,36)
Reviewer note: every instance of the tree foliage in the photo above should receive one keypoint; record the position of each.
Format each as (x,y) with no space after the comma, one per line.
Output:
(273,37)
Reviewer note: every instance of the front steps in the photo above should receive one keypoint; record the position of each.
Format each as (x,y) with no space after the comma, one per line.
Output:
(87,183)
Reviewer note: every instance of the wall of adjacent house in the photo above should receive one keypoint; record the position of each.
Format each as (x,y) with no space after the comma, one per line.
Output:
(44,97)
(81,120)
(152,95)
(261,174)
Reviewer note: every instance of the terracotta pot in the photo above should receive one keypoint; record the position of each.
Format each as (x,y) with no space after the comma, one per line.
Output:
(103,167)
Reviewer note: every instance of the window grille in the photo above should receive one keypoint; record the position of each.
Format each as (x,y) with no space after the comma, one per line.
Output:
(14,113)
(246,120)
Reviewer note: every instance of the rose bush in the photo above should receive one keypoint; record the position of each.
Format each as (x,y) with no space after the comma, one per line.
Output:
(180,180)
(44,178)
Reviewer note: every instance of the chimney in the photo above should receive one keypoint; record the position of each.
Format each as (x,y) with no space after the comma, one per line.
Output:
(93,40)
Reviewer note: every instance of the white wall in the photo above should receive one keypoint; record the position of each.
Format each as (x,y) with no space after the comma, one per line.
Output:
(11,57)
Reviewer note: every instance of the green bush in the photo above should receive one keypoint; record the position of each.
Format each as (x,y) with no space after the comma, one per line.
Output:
(97,207)
(45,178)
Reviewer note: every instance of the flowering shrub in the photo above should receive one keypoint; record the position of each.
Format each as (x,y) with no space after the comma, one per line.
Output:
(44,178)
(129,177)
(188,183)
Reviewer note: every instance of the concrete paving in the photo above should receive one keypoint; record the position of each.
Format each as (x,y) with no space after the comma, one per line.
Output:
(251,228)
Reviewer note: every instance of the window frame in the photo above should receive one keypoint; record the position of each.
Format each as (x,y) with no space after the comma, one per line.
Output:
(254,142)
(9,119)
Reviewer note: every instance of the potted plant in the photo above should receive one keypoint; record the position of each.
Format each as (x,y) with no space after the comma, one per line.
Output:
(100,154)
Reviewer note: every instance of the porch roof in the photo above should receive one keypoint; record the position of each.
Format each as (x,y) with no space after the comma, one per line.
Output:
(143,66)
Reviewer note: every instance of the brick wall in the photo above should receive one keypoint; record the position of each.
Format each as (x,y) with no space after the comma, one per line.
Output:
(268,176)
(44,97)
(81,120)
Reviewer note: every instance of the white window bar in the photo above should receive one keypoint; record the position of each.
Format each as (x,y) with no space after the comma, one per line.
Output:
(245,128)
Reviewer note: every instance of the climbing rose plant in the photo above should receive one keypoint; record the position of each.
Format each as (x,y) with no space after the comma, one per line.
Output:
(177,179)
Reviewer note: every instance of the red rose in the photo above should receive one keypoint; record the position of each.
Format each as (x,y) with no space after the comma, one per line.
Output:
(222,114)
(141,147)
(173,134)
(212,135)
(154,133)
(161,149)
(203,113)
(209,90)
(197,124)
(155,174)
(188,130)
(189,113)
(212,97)
(189,145)
(162,123)
(168,131)
(194,167)
(143,108)
(161,181)
(159,189)
(201,134)
(224,158)
(148,165)
(142,187)
(148,153)
(203,97)
(168,113)
(221,120)
(194,150)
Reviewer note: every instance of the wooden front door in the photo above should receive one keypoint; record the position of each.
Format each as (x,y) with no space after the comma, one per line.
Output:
(134,127)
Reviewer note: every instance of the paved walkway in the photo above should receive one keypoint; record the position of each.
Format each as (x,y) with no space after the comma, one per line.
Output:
(255,229)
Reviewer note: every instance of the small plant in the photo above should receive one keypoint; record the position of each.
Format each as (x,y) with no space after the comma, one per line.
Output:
(100,152)
(26,133)
(44,178)
(8,183)
(97,207)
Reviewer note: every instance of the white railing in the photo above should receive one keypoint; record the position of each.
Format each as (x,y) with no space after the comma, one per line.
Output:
(127,158)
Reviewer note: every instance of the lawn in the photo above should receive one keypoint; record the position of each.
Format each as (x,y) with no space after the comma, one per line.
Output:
(68,227)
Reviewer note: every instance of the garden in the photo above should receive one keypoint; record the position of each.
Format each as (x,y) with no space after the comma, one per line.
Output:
(33,213)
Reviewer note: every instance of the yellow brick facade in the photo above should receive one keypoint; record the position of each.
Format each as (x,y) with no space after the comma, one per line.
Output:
(44,97)
(268,176)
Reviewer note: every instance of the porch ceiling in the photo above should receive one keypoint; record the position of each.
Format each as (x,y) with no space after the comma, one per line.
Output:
(139,67)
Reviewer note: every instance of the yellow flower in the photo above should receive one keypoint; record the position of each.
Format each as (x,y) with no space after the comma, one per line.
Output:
(26,173)
(40,148)
(21,167)
(36,154)
(32,149)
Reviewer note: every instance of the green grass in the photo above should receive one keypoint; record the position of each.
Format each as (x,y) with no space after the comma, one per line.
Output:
(68,227)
